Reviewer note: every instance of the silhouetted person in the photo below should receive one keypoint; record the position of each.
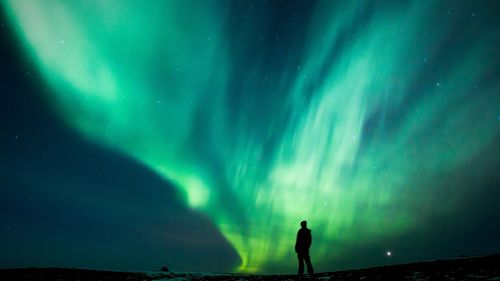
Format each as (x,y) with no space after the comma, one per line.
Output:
(304,240)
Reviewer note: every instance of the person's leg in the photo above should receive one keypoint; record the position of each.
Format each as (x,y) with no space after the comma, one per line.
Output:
(310,269)
(301,263)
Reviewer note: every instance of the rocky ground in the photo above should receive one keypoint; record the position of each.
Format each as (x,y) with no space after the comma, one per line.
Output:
(469,268)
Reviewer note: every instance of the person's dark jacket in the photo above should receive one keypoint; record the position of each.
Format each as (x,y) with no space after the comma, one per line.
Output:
(304,239)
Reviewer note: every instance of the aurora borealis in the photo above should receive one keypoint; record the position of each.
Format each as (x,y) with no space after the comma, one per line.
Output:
(370,119)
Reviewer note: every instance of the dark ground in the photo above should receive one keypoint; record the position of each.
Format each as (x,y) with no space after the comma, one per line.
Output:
(467,268)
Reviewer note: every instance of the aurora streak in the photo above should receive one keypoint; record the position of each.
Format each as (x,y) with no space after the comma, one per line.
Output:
(343,120)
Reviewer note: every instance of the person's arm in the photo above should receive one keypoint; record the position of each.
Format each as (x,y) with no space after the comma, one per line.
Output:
(297,243)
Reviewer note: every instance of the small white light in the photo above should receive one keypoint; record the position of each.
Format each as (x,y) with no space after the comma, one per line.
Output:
(388,253)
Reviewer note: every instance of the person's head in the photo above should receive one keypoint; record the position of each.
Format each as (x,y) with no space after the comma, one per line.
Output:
(303,223)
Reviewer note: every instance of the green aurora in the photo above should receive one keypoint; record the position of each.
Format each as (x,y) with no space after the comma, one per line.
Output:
(343,120)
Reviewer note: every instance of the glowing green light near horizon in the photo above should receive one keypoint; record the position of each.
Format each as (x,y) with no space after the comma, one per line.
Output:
(153,80)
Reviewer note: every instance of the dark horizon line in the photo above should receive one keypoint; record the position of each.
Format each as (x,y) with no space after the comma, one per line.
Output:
(449,259)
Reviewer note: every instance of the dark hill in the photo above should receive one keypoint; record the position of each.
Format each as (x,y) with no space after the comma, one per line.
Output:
(467,268)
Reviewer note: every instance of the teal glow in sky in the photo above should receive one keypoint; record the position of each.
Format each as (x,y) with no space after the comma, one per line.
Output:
(350,114)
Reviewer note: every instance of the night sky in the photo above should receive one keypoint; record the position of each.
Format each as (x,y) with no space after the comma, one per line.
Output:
(198,134)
